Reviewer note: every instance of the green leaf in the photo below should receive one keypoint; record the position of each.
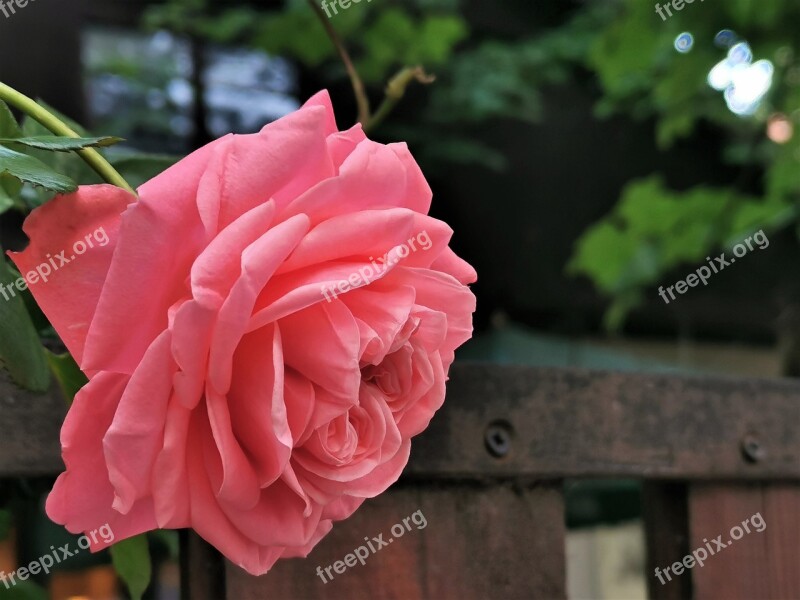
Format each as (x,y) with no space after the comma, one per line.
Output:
(131,559)
(66,163)
(436,38)
(56,143)
(8,124)
(69,376)
(20,349)
(605,254)
(32,170)
(10,189)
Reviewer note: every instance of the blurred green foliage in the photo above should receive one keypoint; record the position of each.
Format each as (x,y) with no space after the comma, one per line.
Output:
(383,36)
(654,229)
(479,77)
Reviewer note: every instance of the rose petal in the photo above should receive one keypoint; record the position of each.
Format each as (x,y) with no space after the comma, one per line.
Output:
(278,519)
(70,295)
(218,267)
(333,365)
(166,212)
(171,494)
(373,176)
(136,435)
(258,412)
(286,158)
(258,263)
(208,519)
(233,476)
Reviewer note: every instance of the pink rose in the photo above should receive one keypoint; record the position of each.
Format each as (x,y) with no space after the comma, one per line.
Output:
(267,327)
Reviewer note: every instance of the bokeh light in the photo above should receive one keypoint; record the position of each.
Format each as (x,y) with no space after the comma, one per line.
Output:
(743,83)
(725,38)
(780,129)
(741,53)
(684,42)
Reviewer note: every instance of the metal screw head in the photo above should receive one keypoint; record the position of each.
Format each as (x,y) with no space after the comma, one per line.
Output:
(752,450)
(498,438)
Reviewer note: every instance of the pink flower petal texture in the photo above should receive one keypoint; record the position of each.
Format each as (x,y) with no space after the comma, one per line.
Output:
(266,328)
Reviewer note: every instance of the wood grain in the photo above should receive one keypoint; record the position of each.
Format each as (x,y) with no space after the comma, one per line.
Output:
(759,566)
(577,423)
(501,542)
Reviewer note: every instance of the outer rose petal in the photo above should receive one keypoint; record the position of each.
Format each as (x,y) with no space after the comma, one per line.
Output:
(335,511)
(451,264)
(70,295)
(82,498)
(296,151)
(372,176)
(323,99)
(166,212)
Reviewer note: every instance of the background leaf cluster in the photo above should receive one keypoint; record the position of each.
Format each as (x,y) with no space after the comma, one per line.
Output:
(654,229)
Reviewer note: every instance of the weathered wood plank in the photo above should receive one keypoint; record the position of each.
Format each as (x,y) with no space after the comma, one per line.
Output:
(555,423)
(29,430)
(479,542)
(759,565)
(577,423)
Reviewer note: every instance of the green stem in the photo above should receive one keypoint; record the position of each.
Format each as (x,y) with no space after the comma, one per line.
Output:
(47,119)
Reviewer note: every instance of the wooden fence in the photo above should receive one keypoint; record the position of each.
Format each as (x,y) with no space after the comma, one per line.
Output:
(488,474)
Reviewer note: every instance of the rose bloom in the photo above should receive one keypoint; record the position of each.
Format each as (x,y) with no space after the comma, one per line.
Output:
(227,392)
